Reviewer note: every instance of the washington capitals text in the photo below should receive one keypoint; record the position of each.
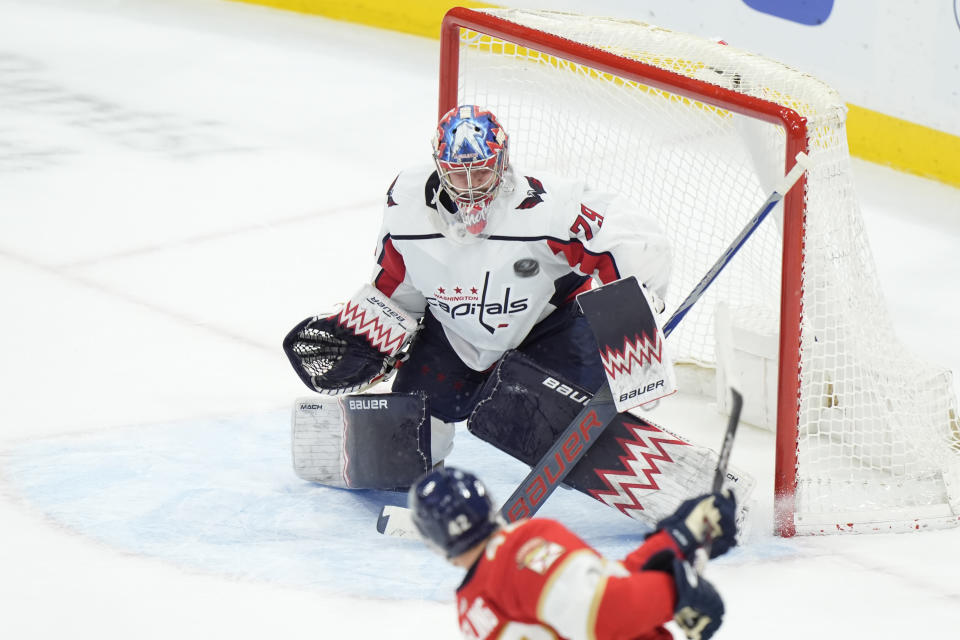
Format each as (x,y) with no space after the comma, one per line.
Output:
(480,306)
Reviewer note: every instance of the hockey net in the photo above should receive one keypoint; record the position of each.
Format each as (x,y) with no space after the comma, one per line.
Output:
(697,133)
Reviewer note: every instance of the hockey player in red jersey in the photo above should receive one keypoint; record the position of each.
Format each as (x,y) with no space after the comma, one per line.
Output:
(535,579)
(478,264)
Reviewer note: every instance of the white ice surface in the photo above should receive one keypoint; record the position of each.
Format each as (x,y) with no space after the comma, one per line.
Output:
(182,181)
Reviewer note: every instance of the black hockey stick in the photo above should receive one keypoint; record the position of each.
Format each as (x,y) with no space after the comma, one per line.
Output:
(720,474)
(600,410)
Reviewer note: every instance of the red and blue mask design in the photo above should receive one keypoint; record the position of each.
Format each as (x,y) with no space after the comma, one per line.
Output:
(470,152)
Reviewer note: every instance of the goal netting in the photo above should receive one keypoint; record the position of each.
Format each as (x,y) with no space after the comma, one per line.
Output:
(697,133)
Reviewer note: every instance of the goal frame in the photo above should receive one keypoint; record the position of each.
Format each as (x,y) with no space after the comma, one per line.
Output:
(794,210)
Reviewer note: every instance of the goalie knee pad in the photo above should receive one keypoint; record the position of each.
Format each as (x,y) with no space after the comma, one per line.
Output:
(370,441)
(524,407)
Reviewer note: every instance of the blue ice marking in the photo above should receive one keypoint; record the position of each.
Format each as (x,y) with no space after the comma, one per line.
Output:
(220,496)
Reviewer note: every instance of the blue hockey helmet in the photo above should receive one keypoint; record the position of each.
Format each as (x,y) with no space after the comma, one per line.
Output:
(451,510)
(470,152)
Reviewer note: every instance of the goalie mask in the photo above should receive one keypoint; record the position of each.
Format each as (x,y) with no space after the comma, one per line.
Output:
(470,152)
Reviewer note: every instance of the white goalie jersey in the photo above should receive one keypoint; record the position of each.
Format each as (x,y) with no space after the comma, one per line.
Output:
(549,238)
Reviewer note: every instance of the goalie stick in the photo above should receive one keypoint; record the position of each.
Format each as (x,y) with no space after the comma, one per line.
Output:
(600,410)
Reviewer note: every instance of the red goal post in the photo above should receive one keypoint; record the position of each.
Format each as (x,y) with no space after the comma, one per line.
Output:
(573,71)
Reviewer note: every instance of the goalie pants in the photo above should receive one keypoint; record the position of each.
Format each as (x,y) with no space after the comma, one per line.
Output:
(562,342)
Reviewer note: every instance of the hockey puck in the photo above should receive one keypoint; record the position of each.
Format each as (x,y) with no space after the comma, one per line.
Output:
(526,267)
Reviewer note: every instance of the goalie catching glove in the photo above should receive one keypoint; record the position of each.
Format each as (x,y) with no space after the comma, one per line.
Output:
(708,518)
(353,349)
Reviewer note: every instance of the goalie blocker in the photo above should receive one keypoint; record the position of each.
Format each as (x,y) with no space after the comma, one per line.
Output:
(632,346)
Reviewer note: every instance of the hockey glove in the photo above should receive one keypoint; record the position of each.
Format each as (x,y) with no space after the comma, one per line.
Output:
(709,517)
(699,609)
(353,349)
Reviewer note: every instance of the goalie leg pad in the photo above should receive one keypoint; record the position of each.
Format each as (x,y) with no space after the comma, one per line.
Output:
(369,441)
(646,472)
(524,407)
(634,466)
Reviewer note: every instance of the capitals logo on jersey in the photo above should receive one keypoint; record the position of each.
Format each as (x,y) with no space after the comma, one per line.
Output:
(490,309)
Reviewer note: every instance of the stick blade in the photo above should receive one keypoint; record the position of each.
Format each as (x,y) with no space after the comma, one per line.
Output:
(397,522)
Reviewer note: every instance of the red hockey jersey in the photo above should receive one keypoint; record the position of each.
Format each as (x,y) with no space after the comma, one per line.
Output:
(537,580)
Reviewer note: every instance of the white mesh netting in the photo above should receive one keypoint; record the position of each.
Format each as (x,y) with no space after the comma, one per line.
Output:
(878,444)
